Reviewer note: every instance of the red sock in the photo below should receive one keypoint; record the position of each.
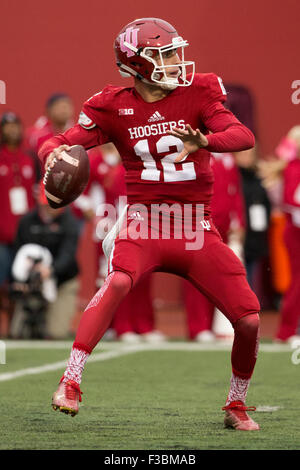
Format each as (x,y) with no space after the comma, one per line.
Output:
(245,346)
(98,314)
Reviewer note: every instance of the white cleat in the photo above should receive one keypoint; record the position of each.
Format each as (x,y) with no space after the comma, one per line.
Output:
(130,338)
(154,337)
(205,336)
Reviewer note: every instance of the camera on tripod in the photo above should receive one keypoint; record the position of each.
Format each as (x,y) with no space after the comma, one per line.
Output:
(29,295)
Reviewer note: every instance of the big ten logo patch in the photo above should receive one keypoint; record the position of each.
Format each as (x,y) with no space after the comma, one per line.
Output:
(126,112)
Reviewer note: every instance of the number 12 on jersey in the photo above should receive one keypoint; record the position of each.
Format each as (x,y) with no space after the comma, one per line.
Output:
(170,173)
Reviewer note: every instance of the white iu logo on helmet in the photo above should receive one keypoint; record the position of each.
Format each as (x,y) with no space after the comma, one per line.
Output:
(129,37)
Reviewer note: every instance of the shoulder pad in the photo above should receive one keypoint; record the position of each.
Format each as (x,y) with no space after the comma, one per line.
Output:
(210,86)
(105,96)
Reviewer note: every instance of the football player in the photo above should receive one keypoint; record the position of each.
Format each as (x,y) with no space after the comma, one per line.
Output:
(164,127)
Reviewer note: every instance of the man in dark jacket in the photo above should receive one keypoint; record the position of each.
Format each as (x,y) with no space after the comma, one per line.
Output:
(258,209)
(58,231)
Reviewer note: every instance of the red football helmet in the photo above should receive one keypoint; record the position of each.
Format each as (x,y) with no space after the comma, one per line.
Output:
(142,41)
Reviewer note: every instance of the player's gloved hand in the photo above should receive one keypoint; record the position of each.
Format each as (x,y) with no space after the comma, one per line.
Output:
(193,140)
(55,154)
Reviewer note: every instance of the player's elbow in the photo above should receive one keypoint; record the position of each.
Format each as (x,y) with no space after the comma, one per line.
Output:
(249,139)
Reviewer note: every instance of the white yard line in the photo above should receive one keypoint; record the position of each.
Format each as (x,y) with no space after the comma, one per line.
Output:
(215,346)
(62,364)
(268,409)
(45,344)
(164,346)
(117,350)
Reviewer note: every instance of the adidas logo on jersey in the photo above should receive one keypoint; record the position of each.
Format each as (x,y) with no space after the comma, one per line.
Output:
(156,117)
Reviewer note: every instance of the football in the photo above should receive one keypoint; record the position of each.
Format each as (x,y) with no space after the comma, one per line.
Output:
(68,178)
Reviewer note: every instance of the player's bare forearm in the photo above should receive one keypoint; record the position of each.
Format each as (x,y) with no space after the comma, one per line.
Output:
(74,136)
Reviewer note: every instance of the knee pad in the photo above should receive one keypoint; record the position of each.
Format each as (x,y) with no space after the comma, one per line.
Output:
(120,282)
(248,325)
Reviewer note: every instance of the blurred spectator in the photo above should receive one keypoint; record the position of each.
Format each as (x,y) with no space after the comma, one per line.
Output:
(271,172)
(228,216)
(241,103)
(17,179)
(58,231)
(134,320)
(290,315)
(58,118)
(258,210)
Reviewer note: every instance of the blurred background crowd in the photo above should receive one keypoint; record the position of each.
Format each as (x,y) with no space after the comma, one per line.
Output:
(51,261)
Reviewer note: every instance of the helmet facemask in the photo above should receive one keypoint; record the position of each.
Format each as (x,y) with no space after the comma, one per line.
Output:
(159,74)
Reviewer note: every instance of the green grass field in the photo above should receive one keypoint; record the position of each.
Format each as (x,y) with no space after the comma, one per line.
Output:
(149,399)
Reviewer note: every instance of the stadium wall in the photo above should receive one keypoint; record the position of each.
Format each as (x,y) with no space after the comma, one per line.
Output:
(66,45)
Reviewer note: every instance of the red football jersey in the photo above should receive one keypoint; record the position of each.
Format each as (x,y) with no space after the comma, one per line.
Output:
(139,131)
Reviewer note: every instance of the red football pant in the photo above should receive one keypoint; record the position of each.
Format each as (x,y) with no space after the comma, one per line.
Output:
(290,312)
(213,269)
